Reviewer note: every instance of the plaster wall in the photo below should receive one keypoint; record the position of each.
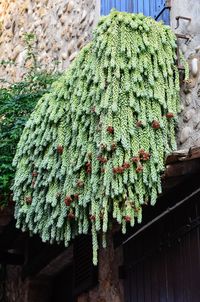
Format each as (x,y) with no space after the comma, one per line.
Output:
(189,121)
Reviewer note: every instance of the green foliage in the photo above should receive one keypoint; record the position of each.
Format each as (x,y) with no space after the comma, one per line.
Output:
(29,40)
(93,149)
(16,103)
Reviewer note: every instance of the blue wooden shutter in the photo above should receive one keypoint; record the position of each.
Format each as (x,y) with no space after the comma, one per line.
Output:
(153,8)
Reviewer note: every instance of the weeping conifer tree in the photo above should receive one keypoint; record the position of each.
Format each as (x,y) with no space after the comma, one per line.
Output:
(94,148)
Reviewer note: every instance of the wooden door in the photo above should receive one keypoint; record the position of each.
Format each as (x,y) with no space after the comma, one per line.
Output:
(163,264)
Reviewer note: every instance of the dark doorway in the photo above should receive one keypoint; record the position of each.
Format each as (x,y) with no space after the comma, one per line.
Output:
(63,286)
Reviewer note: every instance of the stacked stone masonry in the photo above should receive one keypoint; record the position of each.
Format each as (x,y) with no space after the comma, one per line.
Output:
(61,28)
(189,121)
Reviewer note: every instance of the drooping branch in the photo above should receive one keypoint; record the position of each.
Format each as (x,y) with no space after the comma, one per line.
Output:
(93,150)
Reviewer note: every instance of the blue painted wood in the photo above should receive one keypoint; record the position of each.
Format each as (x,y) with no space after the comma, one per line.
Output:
(147,7)
(140,6)
(123,6)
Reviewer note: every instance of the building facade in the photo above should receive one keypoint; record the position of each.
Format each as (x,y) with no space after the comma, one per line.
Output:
(147,264)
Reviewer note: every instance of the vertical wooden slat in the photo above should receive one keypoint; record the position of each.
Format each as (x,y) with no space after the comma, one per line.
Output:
(141,7)
(136,6)
(153,8)
(171,266)
(147,283)
(117,5)
(103,7)
(133,286)
(140,282)
(127,285)
(154,280)
(194,265)
(123,5)
(146,5)
(185,272)
(162,277)
(191,269)
(131,9)
(178,275)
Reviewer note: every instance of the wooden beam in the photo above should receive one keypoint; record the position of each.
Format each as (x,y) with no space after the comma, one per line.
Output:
(182,168)
(39,255)
(58,263)
(166,200)
(183,155)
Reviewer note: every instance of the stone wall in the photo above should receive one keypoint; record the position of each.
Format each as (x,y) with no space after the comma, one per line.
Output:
(189,121)
(14,287)
(61,27)
(28,290)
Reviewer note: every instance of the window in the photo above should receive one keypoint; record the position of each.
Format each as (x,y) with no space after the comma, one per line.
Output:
(157,9)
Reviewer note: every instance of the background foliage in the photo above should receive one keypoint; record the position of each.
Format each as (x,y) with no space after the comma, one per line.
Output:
(17,101)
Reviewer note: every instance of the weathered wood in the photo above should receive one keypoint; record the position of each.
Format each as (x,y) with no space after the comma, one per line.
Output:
(183,155)
(39,255)
(163,264)
(182,168)
(57,264)
(168,199)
